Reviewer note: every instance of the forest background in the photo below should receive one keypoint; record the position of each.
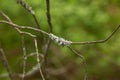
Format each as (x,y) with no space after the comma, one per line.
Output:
(75,20)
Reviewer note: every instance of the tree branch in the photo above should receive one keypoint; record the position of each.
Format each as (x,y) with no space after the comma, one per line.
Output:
(5,62)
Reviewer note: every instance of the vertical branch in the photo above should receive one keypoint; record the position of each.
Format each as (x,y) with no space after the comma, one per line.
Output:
(50,26)
(24,56)
(38,60)
(5,62)
(82,57)
(48,14)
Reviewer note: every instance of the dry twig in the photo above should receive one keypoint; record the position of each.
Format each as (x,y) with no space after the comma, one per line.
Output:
(5,62)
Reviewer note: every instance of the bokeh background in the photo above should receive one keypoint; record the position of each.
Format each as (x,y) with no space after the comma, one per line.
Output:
(75,20)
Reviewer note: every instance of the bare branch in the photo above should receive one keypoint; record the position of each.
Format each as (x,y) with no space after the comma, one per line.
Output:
(5,62)
(5,16)
(24,27)
(48,15)
(31,11)
(84,61)
(100,41)
(50,27)
(36,47)
(30,55)
(24,55)
(26,6)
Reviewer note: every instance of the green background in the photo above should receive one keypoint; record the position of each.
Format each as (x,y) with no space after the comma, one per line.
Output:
(75,20)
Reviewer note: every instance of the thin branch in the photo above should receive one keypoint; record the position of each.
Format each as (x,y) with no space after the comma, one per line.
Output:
(5,16)
(50,27)
(26,6)
(49,15)
(99,41)
(28,75)
(35,29)
(30,55)
(24,56)
(38,60)
(46,50)
(5,62)
(84,61)
(34,53)
(39,27)
(32,12)
(36,21)
(33,71)
(24,27)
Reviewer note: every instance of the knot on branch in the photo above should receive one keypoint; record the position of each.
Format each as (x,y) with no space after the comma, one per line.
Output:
(59,40)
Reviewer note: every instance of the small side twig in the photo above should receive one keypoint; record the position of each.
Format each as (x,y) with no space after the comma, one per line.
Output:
(84,61)
(38,60)
(5,16)
(5,62)
(24,55)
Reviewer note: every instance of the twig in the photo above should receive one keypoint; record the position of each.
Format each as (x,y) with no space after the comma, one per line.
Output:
(24,55)
(26,6)
(33,71)
(50,28)
(5,62)
(84,61)
(28,75)
(5,16)
(24,27)
(99,41)
(32,12)
(30,55)
(48,15)
(40,69)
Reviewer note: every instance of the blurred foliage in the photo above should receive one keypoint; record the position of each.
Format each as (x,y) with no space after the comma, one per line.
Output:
(76,20)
